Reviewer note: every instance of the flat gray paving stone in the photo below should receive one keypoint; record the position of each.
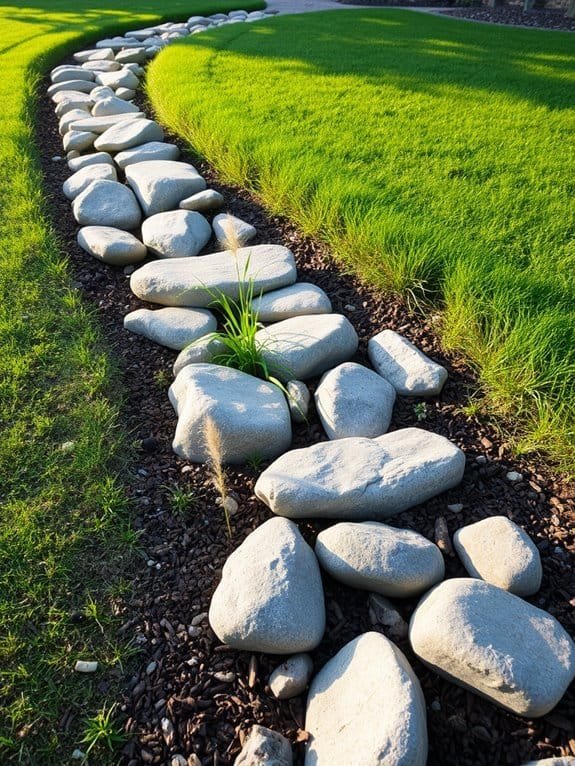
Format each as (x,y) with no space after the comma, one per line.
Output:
(361,479)
(192,281)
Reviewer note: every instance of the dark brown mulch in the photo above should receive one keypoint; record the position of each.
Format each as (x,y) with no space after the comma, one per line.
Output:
(540,18)
(177,679)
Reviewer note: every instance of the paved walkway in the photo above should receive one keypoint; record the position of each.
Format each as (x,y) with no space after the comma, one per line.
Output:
(303,6)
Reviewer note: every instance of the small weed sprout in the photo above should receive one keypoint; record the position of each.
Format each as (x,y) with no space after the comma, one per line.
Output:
(215,450)
(181,500)
(161,378)
(420,410)
(100,731)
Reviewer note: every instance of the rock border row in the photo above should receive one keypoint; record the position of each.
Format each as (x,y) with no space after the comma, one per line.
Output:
(366,704)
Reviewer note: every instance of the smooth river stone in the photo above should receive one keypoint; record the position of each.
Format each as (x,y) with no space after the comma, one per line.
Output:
(500,552)
(113,246)
(98,158)
(361,479)
(251,415)
(124,78)
(270,598)
(153,150)
(161,184)
(102,124)
(127,134)
(408,369)
(85,176)
(230,230)
(209,199)
(352,400)
(113,105)
(365,706)
(176,234)
(171,327)
(305,346)
(296,300)
(107,203)
(397,563)
(192,281)
(495,644)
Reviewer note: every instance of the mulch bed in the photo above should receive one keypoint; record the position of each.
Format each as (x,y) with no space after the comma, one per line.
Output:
(180,676)
(540,18)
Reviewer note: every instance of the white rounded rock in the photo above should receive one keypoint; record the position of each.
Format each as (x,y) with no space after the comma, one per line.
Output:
(230,230)
(291,677)
(301,299)
(365,706)
(65,74)
(299,398)
(209,199)
(176,234)
(303,347)
(102,124)
(123,78)
(82,178)
(113,246)
(495,644)
(498,551)
(171,327)
(361,479)
(78,85)
(127,134)
(251,415)
(98,158)
(107,203)
(161,184)
(113,105)
(397,563)
(407,368)
(270,598)
(192,281)
(153,150)
(203,350)
(78,140)
(264,747)
(352,400)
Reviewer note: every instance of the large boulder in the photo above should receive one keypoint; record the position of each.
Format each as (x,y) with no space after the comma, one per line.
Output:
(365,706)
(113,246)
(495,644)
(303,347)
(176,234)
(352,400)
(196,281)
(407,368)
(161,184)
(172,327)
(127,134)
(153,150)
(500,552)
(107,203)
(398,563)
(301,299)
(361,479)
(251,415)
(270,598)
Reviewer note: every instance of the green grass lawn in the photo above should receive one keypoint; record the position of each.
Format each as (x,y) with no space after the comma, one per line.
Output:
(436,157)
(64,529)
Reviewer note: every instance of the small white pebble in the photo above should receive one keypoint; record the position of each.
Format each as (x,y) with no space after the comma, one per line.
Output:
(150,563)
(481,459)
(514,476)
(199,618)
(349,307)
(86,666)
(225,678)
(230,505)
(67,447)
(78,755)
(455,508)
(158,566)
(436,705)
(193,631)
(151,667)
(192,662)
(57,158)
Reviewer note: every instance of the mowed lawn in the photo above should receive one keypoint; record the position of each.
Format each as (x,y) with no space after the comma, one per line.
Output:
(65,536)
(436,157)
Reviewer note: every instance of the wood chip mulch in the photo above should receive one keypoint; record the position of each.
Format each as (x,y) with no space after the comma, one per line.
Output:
(187,694)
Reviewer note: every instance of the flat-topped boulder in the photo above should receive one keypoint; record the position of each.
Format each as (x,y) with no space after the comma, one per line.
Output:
(251,415)
(495,644)
(365,706)
(171,327)
(301,299)
(113,246)
(305,346)
(408,369)
(153,150)
(161,184)
(176,234)
(127,134)
(352,400)
(82,178)
(107,203)
(270,598)
(500,552)
(398,563)
(361,479)
(192,281)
